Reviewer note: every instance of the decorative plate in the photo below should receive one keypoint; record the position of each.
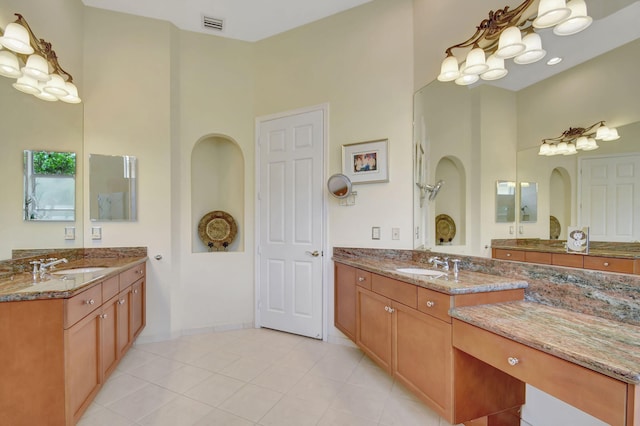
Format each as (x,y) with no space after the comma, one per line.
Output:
(554,228)
(217,229)
(445,228)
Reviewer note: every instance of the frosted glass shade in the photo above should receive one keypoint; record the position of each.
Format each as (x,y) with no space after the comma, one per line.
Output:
(550,13)
(72,94)
(571,149)
(562,148)
(591,145)
(37,67)
(533,51)
(582,142)
(56,86)
(27,85)
(612,136)
(476,62)
(544,149)
(467,79)
(496,69)
(9,66)
(16,38)
(45,96)
(449,69)
(577,21)
(510,43)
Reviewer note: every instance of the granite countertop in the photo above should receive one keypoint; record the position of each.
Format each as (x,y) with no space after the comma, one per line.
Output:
(22,286)
(608,347)
(597,248)
(467,282)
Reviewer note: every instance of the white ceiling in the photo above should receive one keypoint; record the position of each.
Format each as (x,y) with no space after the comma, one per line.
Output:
(249,20)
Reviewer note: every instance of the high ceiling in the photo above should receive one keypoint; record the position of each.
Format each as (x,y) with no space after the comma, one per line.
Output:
(249,20)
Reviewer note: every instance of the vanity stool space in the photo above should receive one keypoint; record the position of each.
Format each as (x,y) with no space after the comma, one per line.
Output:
(58,349)
(406,329)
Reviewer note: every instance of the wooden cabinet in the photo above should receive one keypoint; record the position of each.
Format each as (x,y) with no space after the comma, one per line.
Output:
(345,299)
(59,352)
(407,331)
(504,254)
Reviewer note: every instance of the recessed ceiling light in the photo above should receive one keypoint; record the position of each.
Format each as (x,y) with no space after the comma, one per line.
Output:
(555,60)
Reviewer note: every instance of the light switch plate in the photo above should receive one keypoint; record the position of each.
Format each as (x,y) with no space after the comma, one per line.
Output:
(69,233)
(395,233)
(375,233)
(96,233)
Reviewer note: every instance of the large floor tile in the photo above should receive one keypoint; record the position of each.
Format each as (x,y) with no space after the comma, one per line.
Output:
(251,402)
(181,411)
(142,402)
(290,411)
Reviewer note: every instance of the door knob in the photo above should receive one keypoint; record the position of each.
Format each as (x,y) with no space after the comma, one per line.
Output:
(315,253)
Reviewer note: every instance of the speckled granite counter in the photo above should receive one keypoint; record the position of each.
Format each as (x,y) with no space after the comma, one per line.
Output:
(467,282)
(605,346)
(596,248)
(22,286)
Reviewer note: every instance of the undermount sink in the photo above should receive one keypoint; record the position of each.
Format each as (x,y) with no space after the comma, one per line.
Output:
(421,271)
(85,270)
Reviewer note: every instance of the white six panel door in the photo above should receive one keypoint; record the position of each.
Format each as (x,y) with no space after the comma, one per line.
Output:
(291,222)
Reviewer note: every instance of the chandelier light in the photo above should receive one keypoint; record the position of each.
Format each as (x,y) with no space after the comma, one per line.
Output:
(40,74)
(578,138)
(507,34)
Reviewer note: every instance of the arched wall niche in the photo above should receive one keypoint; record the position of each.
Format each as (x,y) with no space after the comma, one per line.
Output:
(217,183)
(452,198)
(560,198)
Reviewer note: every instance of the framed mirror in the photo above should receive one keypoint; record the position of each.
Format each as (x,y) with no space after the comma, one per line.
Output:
(49,186)
(112,188)
(528,202)
(505,201)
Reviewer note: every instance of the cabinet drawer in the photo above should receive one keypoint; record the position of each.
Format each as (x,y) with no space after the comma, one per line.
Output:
(434,303)
(509,254)
(131,275)
(592,392)
(363,279)
(404,293)
(82,304)
(537,257)
(110,288)
(572,260)
(610,264)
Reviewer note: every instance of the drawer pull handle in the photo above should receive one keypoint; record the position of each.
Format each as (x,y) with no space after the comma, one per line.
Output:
(139,272)
(89,302)
(508,254)
(135,291)
(121,302)
(513,361)
(389,309)
(103,316)
(360,279)
(606,263)
(431,304)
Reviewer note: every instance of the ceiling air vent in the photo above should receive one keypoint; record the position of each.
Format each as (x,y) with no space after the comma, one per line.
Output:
(212,23)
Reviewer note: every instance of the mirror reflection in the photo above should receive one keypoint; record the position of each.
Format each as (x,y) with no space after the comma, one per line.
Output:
(528,202)
(505,201)
(49,185)
(112,188)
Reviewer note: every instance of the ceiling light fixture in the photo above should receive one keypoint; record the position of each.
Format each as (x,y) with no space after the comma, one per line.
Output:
(512,34)
(578,138)
(41,75)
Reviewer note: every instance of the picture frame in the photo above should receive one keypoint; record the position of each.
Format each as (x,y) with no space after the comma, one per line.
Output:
(578,240)
(366,162)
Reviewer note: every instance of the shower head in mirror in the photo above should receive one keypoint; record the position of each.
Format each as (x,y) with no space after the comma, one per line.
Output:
(431,189)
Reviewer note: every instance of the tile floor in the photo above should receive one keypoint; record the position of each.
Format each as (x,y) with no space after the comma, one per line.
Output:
(252,377)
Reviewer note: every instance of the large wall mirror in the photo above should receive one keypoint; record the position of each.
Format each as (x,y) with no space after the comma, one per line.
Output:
(49,185)
(112,188)
(495,130)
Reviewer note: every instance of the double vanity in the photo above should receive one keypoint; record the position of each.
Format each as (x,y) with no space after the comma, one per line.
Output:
(64,331)
(467,346)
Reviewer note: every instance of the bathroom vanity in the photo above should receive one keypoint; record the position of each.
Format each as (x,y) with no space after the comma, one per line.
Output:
(63,335)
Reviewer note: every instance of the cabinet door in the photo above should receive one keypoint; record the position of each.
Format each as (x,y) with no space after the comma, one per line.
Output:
(83,368)
(345,300)
(109,323)
(124,322)
(373,327)
(137,308)
(422,357)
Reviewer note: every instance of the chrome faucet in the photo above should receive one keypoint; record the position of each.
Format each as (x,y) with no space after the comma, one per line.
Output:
(435,261)
(50,263)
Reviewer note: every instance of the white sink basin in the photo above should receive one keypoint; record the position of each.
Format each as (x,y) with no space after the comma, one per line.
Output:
(421,271)
(78,270)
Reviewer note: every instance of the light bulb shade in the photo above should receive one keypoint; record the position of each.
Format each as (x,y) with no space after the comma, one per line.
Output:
(496,69)
(476,62)
(533,51)
(602,132)
(467,79)
(553,150)
(582,142)
(510,43)
(591,145)
(550,13)
(27,85)
(544,149)
(612,136)
(45,96)
(562,148)
(56,86)
(37,67)
(577,21)
(9,66)
(571,149)
(16,38)
(72,96)
(449,70)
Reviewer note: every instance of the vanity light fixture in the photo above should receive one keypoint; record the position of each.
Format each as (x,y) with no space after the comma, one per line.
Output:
(578,138)
(512,34)
(40,75)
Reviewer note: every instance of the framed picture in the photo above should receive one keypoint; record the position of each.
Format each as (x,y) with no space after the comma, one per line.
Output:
(578,240)
(366,162)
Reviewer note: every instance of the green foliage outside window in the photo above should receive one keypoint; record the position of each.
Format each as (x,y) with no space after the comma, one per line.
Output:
(54,163)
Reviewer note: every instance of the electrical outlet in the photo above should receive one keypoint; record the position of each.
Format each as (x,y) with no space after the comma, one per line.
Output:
(375,233)
(395,233)
(69,233)
(96,233)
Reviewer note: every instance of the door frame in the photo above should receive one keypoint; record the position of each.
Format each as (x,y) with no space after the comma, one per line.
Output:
(325,228)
